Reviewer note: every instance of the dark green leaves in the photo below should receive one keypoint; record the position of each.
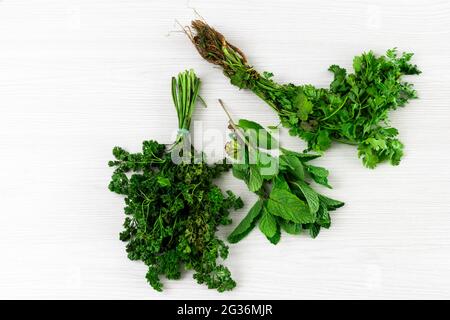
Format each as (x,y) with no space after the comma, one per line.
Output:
(173,210)
(304,157)
(286,205)
(268,224)
(286,201)
(382,146)
(240,171)
(331,204)
(257,134)
(247,224)
(323,141)
(302,104)
(352,110)
(319,174)
(294,165)
(291,227)
(241,79)
(312,198)
(255,180)
(339,82)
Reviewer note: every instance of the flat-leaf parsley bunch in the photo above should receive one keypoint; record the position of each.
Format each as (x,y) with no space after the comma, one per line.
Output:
(353,110)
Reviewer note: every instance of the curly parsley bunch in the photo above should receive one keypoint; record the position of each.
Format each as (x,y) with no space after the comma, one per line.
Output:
(353,110)
(173,210)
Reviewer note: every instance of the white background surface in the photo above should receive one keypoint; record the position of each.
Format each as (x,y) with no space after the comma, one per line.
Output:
(78,77)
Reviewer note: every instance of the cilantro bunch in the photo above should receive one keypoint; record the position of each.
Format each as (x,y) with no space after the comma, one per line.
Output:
(286,200)
(173,210)
(353,110)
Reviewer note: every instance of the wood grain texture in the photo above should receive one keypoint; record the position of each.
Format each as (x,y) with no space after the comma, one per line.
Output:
(78,77)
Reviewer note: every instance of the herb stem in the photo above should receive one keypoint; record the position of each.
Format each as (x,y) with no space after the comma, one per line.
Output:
(335,111)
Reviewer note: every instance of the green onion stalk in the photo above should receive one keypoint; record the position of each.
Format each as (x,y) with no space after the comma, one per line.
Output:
(185,92)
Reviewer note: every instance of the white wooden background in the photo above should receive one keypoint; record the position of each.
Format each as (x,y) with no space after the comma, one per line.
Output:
(78,77)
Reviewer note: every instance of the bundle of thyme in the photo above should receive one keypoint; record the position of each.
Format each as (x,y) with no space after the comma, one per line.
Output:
(353,110)
(174,209)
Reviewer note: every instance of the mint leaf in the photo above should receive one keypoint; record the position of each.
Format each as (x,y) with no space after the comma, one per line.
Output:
(248,223)
(314,230)
(240,171)
(286,205)
(331,204)
(304,157)
(323,217)
(268,224)
(318,174)
(280,183)
(259,135)
(290,227)
(312,198)
(268,165)
(256,180)
(276,238)
(294,164)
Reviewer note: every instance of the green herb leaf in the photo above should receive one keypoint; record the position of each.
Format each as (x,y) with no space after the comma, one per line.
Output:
(294,164)
(323,140)
(314,229)
(240,171)
(301,103)
(261,137)
(331,204)
(353,110)
(318,174)
(248,223)
(276,237)
(256,179)
(280,183)
(323,217)
(163,182)
(311,196)
(286,205)
(304,157)
(268,224)
(290,227)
